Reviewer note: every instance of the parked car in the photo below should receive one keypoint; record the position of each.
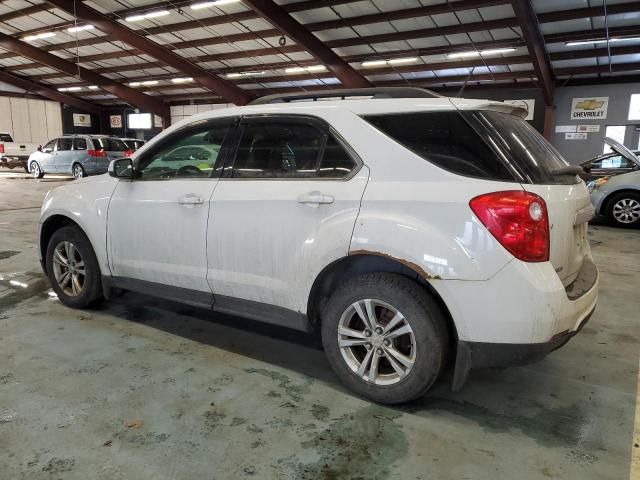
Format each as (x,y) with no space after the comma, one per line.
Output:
(78,155)
(133,143)
(611,163)
(14,154)
(617,196)
(412,232)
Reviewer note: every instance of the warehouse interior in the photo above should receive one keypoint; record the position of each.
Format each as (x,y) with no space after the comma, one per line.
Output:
(142,386)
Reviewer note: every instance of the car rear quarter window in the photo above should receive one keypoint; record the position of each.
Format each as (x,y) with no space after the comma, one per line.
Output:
(445,139)
(109,144)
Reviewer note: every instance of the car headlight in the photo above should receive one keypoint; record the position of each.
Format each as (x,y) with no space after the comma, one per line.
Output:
(597,183)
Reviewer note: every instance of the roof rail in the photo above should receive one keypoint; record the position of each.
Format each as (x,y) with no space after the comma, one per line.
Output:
(346,93)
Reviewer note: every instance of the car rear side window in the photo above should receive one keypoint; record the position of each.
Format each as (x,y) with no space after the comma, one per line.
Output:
(445,139)
(79,144)
(279,149)
(5,137)
(109,144)
(336,161)
(64,144)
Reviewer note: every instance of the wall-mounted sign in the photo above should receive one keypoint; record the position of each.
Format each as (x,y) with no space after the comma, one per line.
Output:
(81,120)
(588,128)
(565,128)
(157,121)
(115,121)
(528,105)
(589,108)
(575,136)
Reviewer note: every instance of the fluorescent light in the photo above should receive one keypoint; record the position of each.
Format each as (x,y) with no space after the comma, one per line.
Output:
(464,54)
(313,68)
(393,61)
(244,74)
(600,40)
(80,28)
(147,83)
(398,61)
(70,89)
(93,87)
(145,16)
(374,63)
(495,51)
(39,36)
(213,3)
(476,53)
(182,80)
(134,84)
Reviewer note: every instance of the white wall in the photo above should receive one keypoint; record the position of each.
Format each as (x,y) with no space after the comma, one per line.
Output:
(29,120)
(180,112)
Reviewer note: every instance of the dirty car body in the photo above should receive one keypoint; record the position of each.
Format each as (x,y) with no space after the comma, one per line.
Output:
(390,189)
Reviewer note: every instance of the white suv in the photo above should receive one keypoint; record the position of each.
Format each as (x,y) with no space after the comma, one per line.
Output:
(413,232)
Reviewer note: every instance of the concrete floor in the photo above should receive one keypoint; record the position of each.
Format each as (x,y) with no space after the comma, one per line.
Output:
(144,388)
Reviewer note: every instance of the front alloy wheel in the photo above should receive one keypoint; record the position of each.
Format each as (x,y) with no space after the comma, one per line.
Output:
(376,342)
(626,210)
(36,172)
(68,268)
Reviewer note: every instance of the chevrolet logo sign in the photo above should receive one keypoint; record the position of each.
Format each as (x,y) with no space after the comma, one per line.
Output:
(589,104)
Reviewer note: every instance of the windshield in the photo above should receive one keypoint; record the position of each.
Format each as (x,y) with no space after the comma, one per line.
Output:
(524,150)
(109,144)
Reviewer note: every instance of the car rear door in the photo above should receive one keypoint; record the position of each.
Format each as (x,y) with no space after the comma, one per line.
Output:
(284,210)
(157,223)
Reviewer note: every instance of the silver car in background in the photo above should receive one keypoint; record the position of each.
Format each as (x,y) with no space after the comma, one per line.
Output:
(617,197)
(78,155)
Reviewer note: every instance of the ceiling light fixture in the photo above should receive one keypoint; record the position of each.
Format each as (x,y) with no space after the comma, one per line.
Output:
(213,3)
(70,89)
(600,40)
(148,83)
(245,74)
(145,16)
(39,36)
(93,87)
(313,68)
(182,80)
(80,28)
(392,61)
(476,53)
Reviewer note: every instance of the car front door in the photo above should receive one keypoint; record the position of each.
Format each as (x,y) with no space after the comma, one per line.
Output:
(285,209)
(63,157)
(46,156)
(157,222)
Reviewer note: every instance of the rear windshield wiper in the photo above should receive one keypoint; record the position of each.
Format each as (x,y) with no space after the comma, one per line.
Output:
(571,170)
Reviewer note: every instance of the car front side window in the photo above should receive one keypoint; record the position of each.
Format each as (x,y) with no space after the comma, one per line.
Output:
(48,148)
(192,154)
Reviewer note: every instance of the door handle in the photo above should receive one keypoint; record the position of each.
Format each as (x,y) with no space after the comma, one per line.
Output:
(191,199)
(315,198)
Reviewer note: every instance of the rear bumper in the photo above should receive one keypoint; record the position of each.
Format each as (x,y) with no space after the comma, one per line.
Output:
(474,355)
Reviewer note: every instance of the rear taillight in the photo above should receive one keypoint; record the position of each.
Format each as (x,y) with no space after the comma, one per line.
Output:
(97,153)
(518,220)
(128,153)
(1,147)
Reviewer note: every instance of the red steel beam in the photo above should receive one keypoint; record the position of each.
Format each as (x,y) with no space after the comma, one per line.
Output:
(51,94)
(279,17)
(128,94)
(208,80)
(535,43)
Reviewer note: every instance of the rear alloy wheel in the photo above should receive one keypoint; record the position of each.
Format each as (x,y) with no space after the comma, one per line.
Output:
(385,337)
(36,171)
(624,210)
(78,171)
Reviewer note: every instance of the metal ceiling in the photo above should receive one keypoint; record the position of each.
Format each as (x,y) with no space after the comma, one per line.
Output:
(235,50)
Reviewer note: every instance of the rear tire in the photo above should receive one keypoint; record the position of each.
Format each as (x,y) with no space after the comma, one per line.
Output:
(623,210)
(72,268)
(36,171)
(397,358)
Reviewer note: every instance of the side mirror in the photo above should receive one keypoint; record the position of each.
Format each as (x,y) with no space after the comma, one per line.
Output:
(121,168)
(39,148)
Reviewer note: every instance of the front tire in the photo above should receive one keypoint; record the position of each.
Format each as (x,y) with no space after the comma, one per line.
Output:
(72,268)
(36,171)
(78,171)
(385,337)
(623,210)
